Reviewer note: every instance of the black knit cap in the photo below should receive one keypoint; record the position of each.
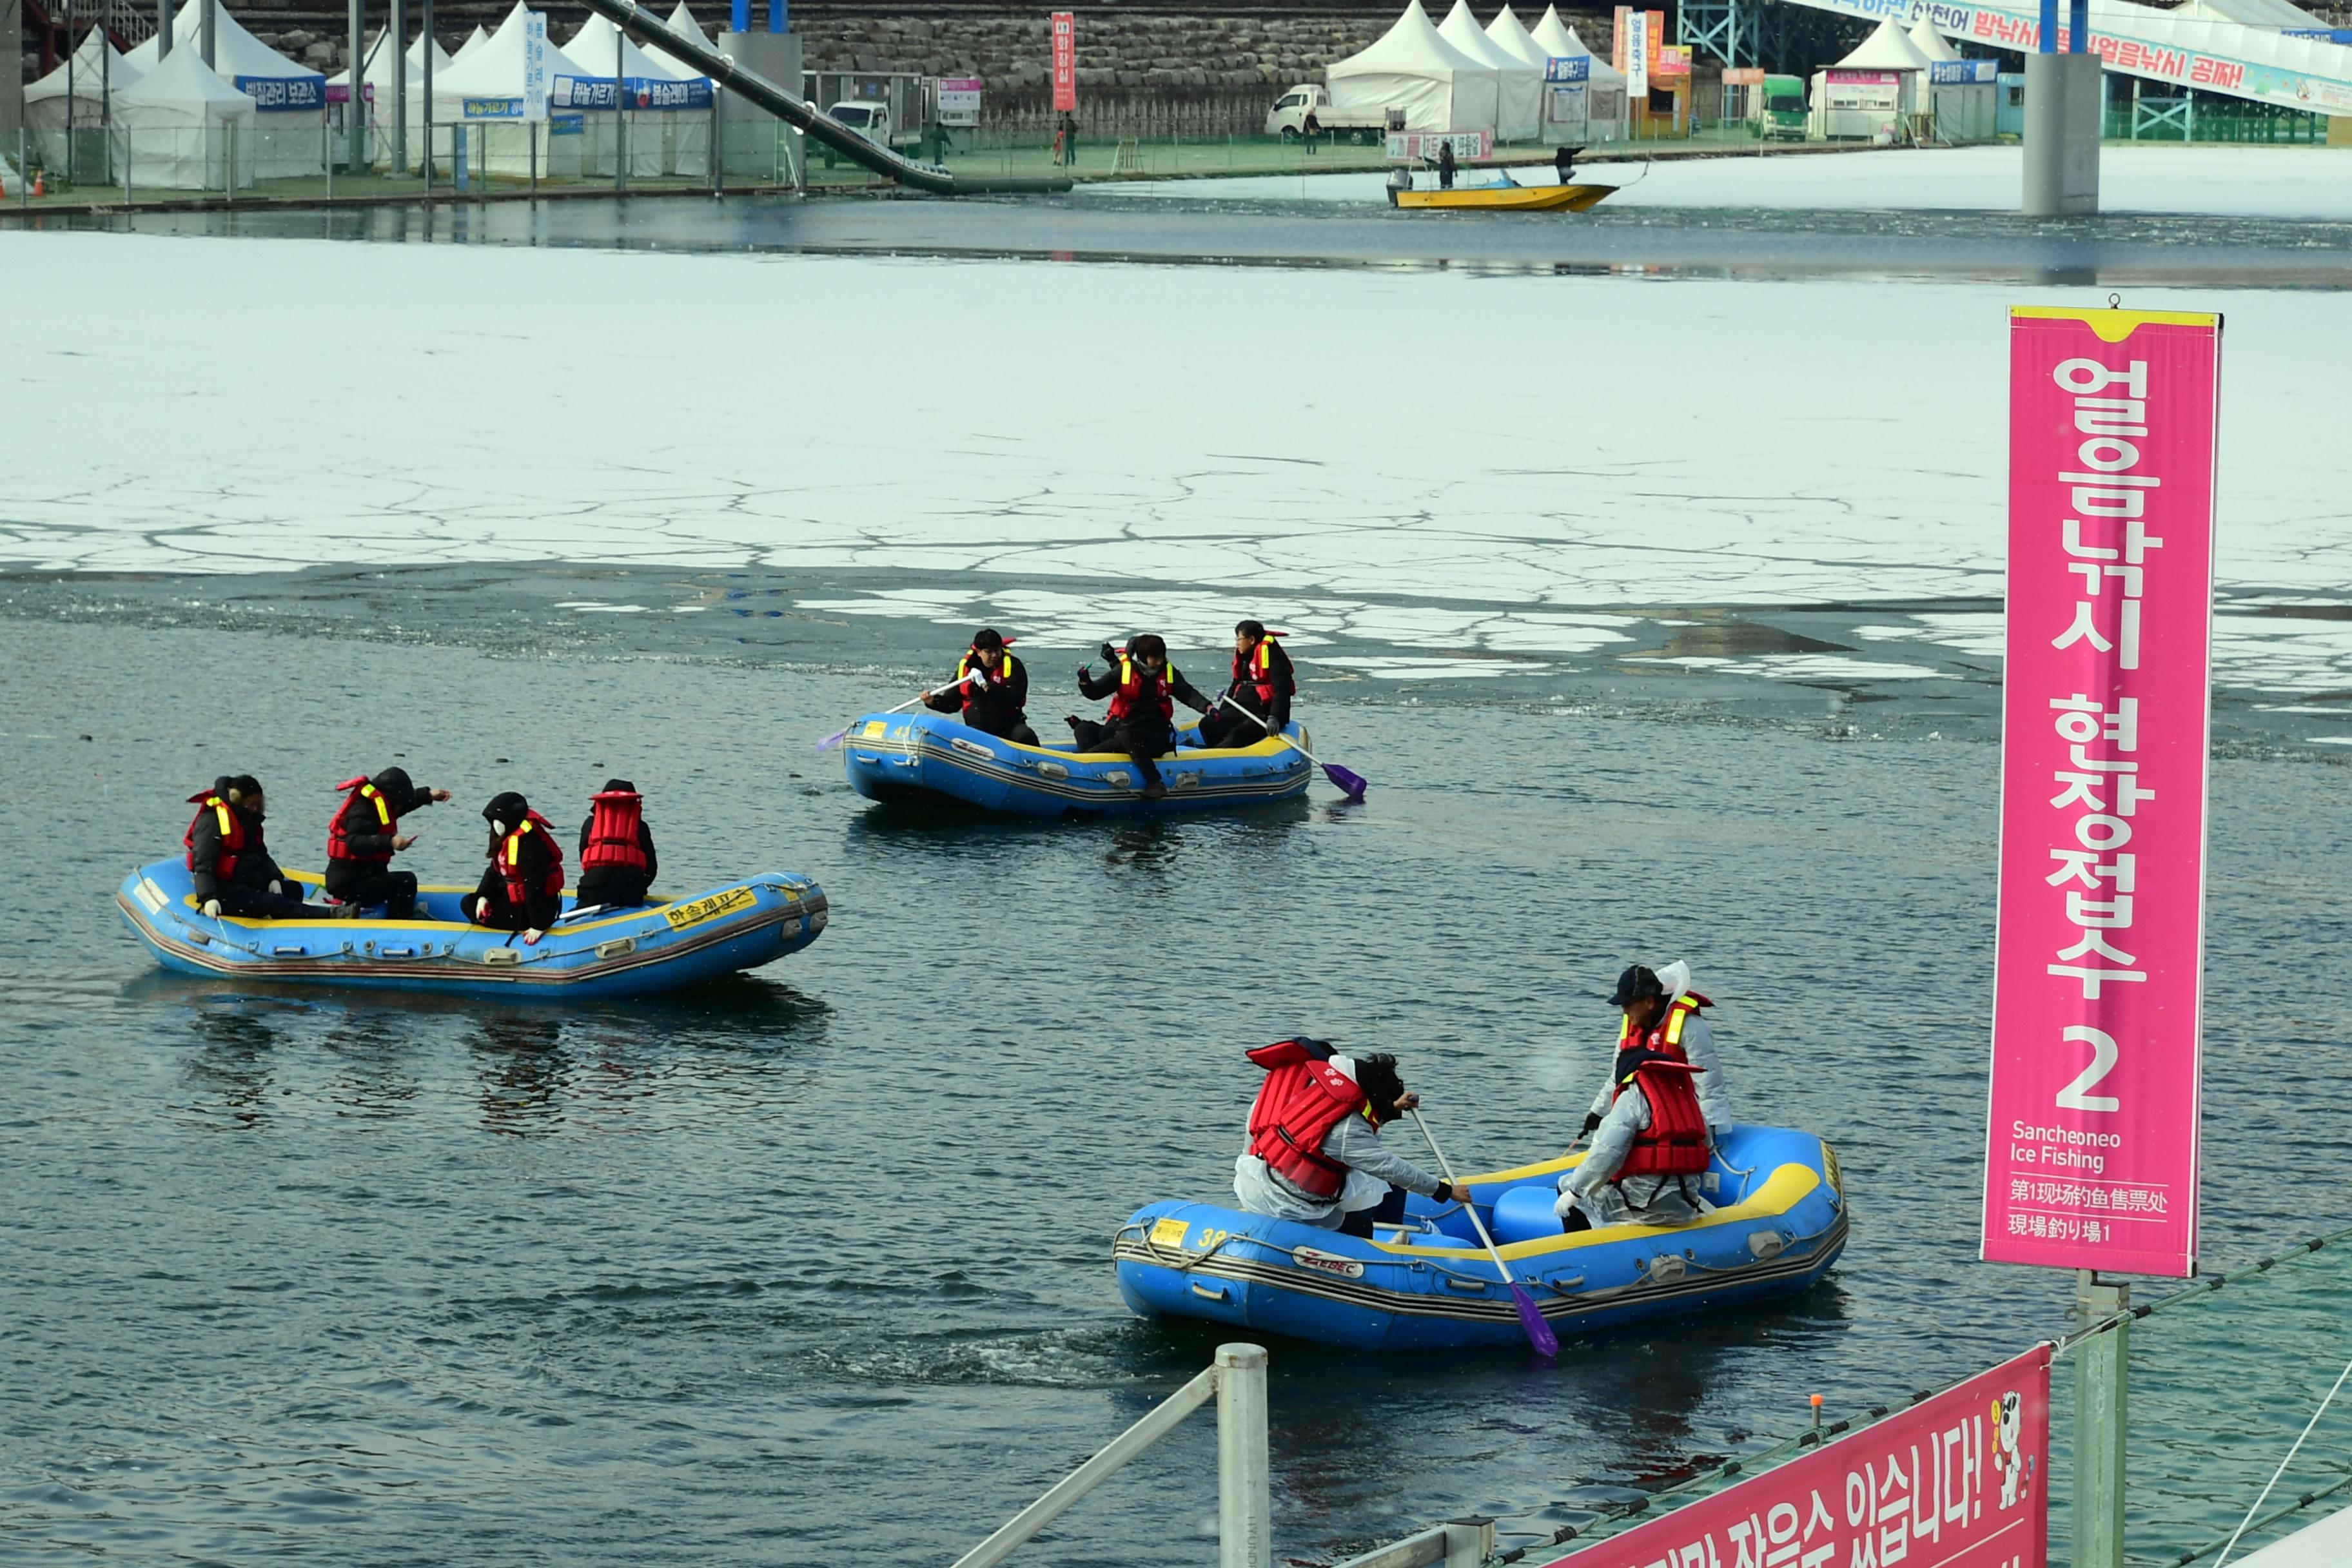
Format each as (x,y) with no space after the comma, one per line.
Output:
(508,807)
(1638,982)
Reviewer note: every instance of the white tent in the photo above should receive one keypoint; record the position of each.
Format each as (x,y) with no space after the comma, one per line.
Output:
(76,99)
(1411,68)
(1873,110)
(1929,42)
(1518,101)
(290,96)
(1606,110)
(375,77)
(473,40)
(492,73)
(1964,111)
(688,134)
(183,128)
(653,132)
(682,21)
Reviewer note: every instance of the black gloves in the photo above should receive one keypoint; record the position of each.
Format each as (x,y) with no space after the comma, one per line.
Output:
(1110,654)
(1085,672)
(1592,1123)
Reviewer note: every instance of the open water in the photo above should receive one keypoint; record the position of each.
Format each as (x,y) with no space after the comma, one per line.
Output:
(811,1266)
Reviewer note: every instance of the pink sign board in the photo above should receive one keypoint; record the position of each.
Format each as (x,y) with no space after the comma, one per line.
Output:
(1961,1480)
(1066,62)
(1876,78)
(2090,1159)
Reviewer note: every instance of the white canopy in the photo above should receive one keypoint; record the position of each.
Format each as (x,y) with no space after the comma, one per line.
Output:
(96,66)
(177,125)
(236,52)
(1558,41)
(473,40)
(375,71)
(1412,68)
(592,46)
(682,21)
(1507,34)
(1518,104)
(1889,48)
(494,68)
(1929,42)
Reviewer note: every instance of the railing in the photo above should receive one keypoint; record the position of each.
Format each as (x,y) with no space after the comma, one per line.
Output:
(1236,1380)
(1457,1544)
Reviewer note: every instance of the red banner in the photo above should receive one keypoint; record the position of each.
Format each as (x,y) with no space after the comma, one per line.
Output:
(2091,1160)
(1065,62)
(1960,1482)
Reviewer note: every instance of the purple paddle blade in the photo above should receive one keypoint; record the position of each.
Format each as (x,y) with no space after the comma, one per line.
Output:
(830,741)
(1531,1319)
(1351,784)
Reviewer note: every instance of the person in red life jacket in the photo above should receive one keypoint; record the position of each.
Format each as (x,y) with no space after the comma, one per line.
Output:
(1651,1146)
(993,691)
(228,857)
(363,838)
(1263,684)
(1144,690)
(522,890)
(1315,1153)
(617,863)
(1661,1011)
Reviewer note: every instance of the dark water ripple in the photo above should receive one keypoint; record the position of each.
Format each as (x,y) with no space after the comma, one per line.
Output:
(814,1263)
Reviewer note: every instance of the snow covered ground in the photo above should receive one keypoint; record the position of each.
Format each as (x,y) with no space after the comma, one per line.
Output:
(1431,459)
(2306,183)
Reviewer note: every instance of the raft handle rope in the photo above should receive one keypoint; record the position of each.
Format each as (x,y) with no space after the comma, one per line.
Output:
(1186,1261)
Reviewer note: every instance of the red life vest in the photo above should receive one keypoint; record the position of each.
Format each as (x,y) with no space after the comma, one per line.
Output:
(1676,1142)
(511,861)
(1299,1103)
(232,834)
(1256,669)
(1140,692)
(614,819)
(364,801)
(1000,676)
(1665,1036)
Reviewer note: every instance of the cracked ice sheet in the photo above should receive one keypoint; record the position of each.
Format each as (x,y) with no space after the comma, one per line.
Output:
(1227,429)
(2274,653)
(2225,181)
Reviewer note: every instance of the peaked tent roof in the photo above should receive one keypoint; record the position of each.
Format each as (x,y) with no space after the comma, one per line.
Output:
(495,69)
(376,71)
(682,21)
(1558,41)
(1929,42)
(1509,35)
(1410,62)
(592,46)
(185,81)
(236,52)
(1889,48)
(473,40)
(97,62)
(1461,29)
(1412,43)
(1518,102)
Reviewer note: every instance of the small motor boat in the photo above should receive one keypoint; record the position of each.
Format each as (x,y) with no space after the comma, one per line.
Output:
(599,951)
(1780,1221)
(937,758)
(1506,198)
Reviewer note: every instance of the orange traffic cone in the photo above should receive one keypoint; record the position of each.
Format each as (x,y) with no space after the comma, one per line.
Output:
(38,183)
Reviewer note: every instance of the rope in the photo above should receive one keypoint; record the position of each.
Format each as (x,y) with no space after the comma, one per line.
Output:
(2297,1505)
(2204,1288)
(2291,1453)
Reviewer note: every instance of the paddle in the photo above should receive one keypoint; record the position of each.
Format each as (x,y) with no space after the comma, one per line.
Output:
(830,741)
(1531,1317)
(1351,784)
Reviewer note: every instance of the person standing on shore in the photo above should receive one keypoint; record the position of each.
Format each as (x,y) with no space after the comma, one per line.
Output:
(1066,139)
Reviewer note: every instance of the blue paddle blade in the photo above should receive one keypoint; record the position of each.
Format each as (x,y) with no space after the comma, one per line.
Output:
(1352,786)
(1531,1319)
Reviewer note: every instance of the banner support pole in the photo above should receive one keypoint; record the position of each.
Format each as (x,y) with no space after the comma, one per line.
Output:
(2102,1412)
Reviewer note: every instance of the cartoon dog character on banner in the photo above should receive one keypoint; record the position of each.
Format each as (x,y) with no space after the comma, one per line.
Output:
(2008,1423)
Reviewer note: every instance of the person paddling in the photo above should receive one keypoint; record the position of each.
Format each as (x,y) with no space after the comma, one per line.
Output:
(991,690)
(1263,683)
(1315,1153)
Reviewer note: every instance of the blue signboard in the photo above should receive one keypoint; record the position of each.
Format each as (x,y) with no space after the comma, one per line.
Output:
(280,94)
(491,108)
(1949,73)
(644,93)
(1567,69)
(567,125)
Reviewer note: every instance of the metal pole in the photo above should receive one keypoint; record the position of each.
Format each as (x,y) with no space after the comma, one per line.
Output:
(356,106)
(531,130)
(397,41)
(425,47)
(326,149)
(1244,1489)
(620,113)
(2102,1412)
(162,30)
(72,51)
(204,31)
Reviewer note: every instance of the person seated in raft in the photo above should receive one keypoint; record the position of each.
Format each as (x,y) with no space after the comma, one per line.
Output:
(1315,1153)
(993,691)
(1144,690)
(1647,1153)
(229,860)
(1263,684)
(522,890)
(617,863)
(1662,1013)
(363,838)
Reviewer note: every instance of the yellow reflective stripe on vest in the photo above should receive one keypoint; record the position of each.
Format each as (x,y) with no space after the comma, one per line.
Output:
(514,845)
(1683,1009)
(383,812)
(1264,654)
(220,811)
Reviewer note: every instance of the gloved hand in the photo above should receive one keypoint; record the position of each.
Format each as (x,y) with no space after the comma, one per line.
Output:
(481,908)
(1592,1124)
(531,938)
(1109,654)
(276,886)
(212,908)
(1085,672)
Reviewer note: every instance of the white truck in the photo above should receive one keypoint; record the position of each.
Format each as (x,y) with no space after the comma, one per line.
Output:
(1287,118)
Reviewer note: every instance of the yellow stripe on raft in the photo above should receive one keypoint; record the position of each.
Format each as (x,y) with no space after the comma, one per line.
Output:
(1789,1186)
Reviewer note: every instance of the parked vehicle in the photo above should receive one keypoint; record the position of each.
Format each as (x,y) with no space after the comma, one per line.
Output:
(1287,118)
(1782,116)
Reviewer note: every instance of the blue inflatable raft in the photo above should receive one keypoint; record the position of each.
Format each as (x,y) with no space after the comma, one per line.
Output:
(932,757)
(596,952)
(1429,1286)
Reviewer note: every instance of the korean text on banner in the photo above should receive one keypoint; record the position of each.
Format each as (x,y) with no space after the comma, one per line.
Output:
(2090,1159)
(1638,55)
(1065,62)
(534,66)
(1960,1482)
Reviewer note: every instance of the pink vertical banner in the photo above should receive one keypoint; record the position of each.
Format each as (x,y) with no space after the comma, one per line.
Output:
(2090,1159)
(1961,1480)
(1065,62)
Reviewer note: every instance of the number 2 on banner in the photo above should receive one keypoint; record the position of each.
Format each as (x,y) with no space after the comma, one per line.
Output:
(2076,1096)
